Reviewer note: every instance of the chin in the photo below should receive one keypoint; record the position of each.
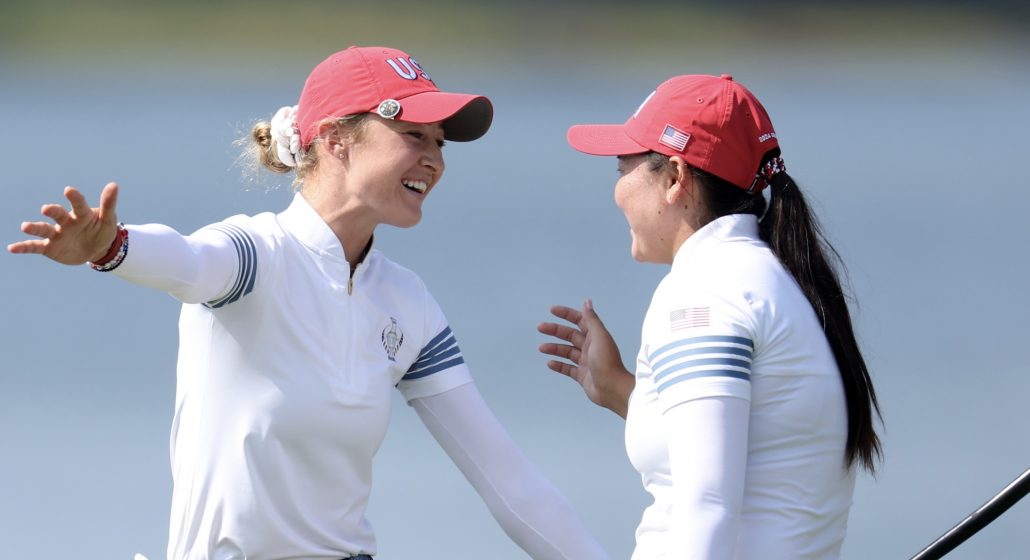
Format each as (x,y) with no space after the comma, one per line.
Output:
(642,256)
(408,221)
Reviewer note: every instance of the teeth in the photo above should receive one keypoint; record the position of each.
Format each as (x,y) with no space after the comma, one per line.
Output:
(419,186)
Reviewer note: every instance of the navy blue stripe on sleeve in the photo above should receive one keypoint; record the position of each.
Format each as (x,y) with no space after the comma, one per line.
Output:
(699,374)
(246,252)
(442,352)
(744,365)
(436,341)
(726,340)
(700,350)
(702,356)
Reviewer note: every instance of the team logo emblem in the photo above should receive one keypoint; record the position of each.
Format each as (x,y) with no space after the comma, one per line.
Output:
(389,108)
(392,339)
(408,68)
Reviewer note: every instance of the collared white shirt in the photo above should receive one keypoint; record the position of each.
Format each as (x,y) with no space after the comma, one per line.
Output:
(729,322)
(284,381)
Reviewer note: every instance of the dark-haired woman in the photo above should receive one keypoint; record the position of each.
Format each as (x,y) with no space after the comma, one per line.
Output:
(751,407)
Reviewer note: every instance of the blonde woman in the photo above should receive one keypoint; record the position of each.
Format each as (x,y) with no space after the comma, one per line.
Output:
(295,330)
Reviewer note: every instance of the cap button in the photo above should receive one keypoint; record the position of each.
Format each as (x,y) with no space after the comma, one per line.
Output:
(389,108)
(727,77)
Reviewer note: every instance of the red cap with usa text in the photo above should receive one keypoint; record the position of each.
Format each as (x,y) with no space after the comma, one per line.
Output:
(712,122)
(393,85)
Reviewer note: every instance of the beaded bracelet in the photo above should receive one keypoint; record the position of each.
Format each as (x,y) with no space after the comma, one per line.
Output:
(114,256)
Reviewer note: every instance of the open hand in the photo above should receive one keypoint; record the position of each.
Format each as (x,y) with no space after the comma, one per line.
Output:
(596,362)
(78,234)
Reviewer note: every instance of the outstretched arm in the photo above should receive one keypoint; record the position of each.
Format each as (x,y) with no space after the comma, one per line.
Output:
(202,267)
(596,361)
(526,505)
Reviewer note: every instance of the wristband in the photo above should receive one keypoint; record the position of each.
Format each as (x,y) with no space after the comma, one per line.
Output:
(116,254)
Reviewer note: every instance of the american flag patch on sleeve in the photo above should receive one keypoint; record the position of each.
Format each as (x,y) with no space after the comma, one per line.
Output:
(689,317)
(674,138)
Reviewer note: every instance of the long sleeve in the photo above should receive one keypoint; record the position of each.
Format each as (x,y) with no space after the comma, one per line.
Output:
(707,440)
(205,267)
(526,505)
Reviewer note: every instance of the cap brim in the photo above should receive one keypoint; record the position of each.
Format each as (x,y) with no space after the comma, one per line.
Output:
(603,140)
(465,117)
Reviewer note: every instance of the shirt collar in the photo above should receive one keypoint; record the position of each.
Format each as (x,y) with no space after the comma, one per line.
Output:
(304,223)
(733,227)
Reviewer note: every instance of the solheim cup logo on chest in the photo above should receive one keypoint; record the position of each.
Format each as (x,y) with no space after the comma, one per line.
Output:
(392,339)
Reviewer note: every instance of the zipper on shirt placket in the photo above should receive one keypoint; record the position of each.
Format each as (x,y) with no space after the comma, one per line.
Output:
(354,273)
(361,262)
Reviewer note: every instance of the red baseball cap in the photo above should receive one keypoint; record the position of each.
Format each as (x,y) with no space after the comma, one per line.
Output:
(392,84)
(713,123)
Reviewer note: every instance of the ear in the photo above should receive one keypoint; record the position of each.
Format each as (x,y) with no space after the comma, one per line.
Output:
(333,142)
(681,187)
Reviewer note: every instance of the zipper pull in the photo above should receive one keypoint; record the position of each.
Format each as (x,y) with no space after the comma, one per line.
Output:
(350,285)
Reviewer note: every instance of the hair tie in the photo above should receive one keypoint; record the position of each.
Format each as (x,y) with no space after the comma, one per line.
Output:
(766,172)
(286,136)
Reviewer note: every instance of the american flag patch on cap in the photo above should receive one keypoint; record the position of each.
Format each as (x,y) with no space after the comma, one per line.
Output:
(689,317)
(674,138)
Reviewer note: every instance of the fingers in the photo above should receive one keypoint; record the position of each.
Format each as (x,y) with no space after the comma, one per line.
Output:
(39,229)
(567,333)
(80,207)
(32,247)
(569,314)
(561,350)
(562,368)
(590,318)
(57,213)
(564,332)
(108,202)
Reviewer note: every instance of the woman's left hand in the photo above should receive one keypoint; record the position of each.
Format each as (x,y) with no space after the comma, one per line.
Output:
(596,361)
(77,236)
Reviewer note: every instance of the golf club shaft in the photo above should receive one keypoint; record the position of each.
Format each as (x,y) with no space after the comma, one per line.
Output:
(977,520)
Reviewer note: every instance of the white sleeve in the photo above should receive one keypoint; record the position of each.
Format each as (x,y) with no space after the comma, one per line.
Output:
(699,350)
(215,265)
(708,458)
(526,505)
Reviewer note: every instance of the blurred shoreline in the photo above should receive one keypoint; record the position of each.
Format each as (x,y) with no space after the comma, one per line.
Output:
(244,38)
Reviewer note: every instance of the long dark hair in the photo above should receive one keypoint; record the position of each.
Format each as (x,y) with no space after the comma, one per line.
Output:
(794,235)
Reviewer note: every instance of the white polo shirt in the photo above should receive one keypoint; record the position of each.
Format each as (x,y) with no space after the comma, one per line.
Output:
(729,321)
(284,381)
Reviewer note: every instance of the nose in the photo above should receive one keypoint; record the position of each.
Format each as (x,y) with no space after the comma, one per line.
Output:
(617,194)
(432,159)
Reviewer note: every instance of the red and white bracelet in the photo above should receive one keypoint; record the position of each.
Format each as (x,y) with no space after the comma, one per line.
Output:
(116,254)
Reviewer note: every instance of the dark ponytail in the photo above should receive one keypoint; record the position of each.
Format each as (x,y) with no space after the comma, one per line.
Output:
(793,234)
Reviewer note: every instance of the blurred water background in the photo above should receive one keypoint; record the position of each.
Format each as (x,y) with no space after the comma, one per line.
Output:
(906,122)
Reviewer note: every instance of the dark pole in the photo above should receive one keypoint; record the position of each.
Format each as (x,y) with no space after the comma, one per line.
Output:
(977,520)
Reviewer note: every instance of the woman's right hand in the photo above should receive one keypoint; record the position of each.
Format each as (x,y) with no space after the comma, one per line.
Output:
(596,362)
(78,235)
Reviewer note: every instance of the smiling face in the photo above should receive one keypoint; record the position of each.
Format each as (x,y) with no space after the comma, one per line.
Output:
(641,193)
(392,166)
